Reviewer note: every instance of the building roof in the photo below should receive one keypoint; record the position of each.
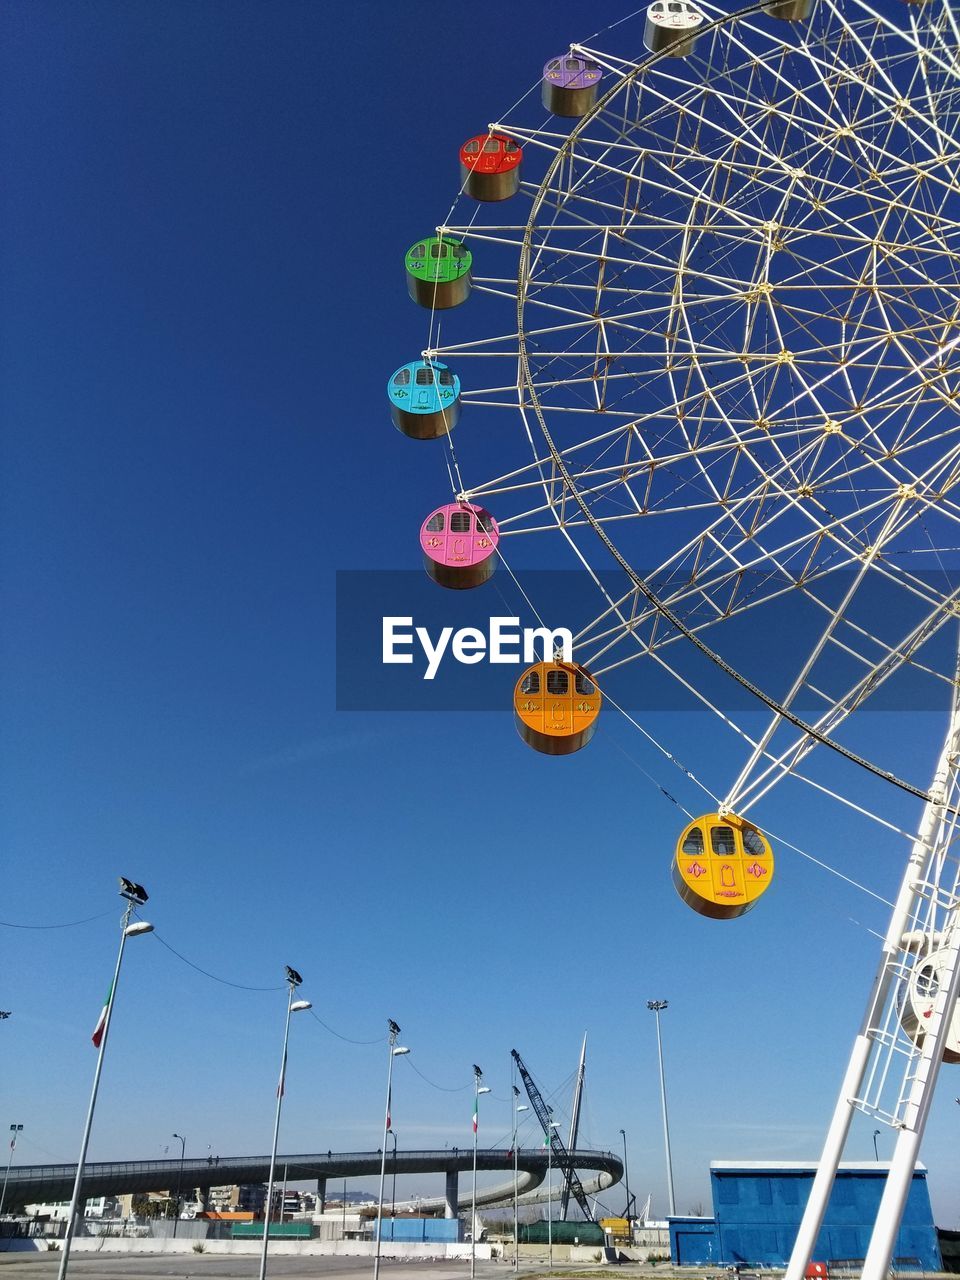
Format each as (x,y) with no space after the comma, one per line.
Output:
(801,1166)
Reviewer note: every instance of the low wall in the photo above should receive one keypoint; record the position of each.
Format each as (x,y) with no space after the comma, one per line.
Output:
(414,1251)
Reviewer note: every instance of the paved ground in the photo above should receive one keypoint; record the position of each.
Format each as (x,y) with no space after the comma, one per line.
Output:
(189,1266)
(85,1266)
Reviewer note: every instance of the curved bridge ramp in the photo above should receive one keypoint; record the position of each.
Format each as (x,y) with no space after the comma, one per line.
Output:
(43,1183)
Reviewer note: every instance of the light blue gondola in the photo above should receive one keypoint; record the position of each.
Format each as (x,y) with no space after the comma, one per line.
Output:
(424,399)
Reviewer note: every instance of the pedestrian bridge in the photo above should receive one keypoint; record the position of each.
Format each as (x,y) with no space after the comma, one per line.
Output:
(45,1183)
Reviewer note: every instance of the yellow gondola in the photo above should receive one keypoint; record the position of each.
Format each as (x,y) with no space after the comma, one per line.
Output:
(722,865)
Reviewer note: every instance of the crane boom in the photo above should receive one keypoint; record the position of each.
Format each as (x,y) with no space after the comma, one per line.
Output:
(561,1155)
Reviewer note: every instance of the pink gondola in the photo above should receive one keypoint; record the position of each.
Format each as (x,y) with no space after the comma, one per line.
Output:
(459,543)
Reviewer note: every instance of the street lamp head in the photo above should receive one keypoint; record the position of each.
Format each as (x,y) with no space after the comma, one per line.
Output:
(483,1089)
(139,926)
(522,1107)
(398,1050)
(299,1005)
(179,1136)
(656,1005)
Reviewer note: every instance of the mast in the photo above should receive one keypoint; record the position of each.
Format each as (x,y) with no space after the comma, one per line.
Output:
(574,1123)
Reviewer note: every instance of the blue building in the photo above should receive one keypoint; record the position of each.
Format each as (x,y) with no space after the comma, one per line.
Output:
(757,1207)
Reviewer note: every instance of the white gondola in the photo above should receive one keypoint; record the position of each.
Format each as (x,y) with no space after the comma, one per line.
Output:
(929,973)
(672,26)
(793,10)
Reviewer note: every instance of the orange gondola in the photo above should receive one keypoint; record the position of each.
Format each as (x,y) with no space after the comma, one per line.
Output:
(556,705)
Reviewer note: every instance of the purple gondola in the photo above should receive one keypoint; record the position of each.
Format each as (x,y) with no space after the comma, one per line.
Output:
(570,84)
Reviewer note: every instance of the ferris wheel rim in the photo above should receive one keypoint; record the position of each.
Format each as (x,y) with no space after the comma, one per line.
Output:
(533,401)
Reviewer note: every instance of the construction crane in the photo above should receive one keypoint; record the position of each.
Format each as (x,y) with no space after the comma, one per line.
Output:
(561,1156)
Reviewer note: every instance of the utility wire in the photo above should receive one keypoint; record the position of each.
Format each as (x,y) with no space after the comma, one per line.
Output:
(441,1087)
(240,986)
(69,924)
(348,1039)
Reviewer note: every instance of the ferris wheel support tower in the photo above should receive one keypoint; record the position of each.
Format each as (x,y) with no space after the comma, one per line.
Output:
(923,923)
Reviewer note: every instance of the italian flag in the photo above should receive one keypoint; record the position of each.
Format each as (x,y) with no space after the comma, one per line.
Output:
(102,1020)
(475,1108)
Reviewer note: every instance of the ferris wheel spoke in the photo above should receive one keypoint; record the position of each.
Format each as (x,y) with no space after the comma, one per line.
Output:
(743,265)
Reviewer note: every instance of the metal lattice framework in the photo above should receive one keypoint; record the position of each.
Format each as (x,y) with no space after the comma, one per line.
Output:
(734,309)
(725,357)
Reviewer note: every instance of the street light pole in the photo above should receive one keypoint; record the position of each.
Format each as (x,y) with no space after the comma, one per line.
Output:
(395,1051)
(552,1125)
(478,1088)
(876,1135)
(393,1193)
(135,896)
(293,1006)
(517,1108)
(183,1150)
(626,1176)
(658,1006)
(14,1130)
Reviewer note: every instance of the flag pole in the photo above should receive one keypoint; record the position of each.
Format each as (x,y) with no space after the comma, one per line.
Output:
(125,929)
(393,1050)
(293,981)
(516,1188)
(478,1088)
(478,1077)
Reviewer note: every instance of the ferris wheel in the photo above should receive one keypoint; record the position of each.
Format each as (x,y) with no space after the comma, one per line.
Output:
(713,311)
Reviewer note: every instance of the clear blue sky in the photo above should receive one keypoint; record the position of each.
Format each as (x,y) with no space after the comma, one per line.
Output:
(202,220)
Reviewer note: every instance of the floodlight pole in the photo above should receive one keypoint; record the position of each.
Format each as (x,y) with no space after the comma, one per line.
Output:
(14,1130)
(293,981)
(517,1108)
(183,1152)
(478,1088)
(626,1177)
(657,1006)
(126,930)
(393,1051)
(550,1127)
